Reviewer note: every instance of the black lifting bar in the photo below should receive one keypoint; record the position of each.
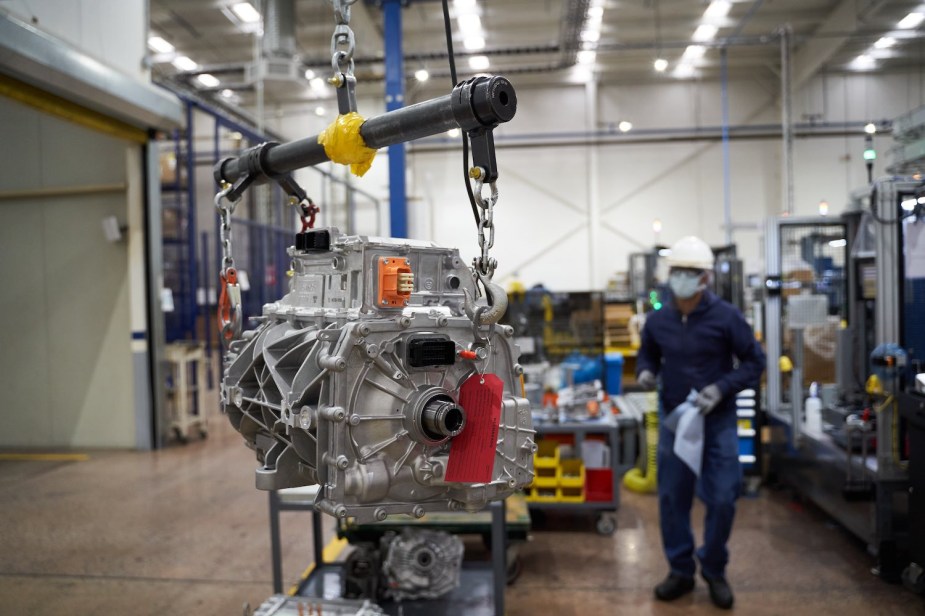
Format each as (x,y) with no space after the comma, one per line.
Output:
(476,106)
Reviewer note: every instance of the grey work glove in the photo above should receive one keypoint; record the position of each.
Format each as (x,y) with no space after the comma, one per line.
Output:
(708,398)
(646,380)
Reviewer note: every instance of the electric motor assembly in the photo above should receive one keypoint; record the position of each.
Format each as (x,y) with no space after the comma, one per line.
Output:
(355,381)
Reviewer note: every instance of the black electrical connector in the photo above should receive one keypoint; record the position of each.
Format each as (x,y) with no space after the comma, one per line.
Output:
(425,352)
(317,240)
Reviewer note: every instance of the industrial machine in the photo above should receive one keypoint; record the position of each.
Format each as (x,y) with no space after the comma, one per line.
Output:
(729,276)
(912,407)
(844,306)
(379,377)
(415,564)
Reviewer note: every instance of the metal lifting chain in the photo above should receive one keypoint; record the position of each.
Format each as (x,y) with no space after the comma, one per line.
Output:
(343,45)
(485,265)
(229,303)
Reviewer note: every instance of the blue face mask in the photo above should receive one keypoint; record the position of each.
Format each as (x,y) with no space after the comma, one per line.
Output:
(684,285)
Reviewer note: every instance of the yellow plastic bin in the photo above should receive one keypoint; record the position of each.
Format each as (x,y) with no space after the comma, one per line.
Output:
(547,454)
(571,473)
(570,495)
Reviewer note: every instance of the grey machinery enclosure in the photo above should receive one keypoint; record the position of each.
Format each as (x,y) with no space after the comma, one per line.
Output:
(857,272)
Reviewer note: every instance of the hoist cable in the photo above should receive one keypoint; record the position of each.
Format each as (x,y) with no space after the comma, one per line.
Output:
(465,138)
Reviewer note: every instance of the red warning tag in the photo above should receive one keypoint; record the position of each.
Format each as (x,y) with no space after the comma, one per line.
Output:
(472,452)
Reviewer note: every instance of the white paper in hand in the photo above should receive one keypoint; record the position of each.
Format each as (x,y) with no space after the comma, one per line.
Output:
(670,422)
(688,437)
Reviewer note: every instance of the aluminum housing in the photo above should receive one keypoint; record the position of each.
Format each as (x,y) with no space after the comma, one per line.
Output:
(325,392)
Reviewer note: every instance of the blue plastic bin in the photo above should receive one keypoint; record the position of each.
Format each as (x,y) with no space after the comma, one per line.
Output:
(613,370)
(584,369)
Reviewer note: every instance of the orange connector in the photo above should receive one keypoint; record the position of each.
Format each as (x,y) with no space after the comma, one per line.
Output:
(396,282)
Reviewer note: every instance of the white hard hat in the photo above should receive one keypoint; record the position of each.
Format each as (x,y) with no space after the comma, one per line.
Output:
(691,252)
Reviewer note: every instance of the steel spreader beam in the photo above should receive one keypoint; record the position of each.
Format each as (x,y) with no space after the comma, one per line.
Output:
(475,105)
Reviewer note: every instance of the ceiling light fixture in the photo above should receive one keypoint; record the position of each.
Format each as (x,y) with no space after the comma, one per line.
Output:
(587,56)
(208,80)
(160,45)
(246,12)
(470,24)
(908,205)
(453,133)
(184,63)
(694,52)
(864,62)
(625,126)
(227,93)
(317,84)
(590,36)
(717,10)
(421,75)
(870,128)
(474,43)
(705,32)
(309,74)
(910,21)
(582,73)
(595,13)
(884,42)
(660,65)
(838,243)
(320,111)
(683,70)
(464,5)
(478,63)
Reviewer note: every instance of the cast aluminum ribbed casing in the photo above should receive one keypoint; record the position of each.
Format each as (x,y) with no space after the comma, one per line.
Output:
(324,392)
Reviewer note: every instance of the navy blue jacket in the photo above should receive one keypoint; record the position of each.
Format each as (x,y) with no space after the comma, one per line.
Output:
(693,352)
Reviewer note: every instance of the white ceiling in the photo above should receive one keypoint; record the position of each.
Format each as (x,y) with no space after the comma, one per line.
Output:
(524,37)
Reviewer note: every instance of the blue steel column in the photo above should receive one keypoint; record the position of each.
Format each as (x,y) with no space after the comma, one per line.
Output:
(727,185)
(191,255)
(395,99)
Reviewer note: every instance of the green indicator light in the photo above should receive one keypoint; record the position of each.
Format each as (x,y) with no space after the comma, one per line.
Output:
(870,154)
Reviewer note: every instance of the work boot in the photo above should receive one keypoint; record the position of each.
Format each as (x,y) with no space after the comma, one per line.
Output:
(674,586)
(720,592)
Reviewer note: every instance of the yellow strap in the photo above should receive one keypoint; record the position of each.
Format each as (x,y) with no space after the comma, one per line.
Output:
(344,144)
(62,108)
(44,457)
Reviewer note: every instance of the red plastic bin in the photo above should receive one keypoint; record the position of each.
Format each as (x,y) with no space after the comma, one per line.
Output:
(598,484)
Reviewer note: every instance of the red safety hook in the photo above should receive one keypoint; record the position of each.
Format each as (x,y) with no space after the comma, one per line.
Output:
(309,211)
(229,316)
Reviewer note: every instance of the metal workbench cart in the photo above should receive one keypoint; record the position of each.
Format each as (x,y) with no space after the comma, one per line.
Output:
(481,589)
(572,484)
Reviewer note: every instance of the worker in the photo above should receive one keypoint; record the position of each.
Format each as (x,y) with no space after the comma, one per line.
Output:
(691,343)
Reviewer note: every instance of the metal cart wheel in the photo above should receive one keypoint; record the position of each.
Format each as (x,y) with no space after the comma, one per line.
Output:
(606,524)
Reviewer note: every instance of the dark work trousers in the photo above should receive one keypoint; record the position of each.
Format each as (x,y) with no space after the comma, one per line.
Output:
(718,487)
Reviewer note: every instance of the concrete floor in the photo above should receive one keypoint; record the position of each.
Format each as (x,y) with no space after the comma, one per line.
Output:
(183,531)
